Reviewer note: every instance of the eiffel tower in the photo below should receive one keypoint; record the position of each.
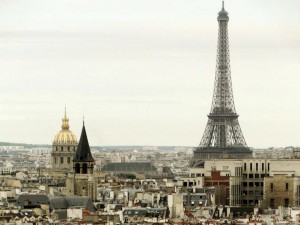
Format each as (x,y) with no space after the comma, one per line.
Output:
(223,137)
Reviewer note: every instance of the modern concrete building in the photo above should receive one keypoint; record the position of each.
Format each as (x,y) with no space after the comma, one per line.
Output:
(250,181)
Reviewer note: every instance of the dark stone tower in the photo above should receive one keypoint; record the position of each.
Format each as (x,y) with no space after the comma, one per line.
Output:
(81,180)
(83,162)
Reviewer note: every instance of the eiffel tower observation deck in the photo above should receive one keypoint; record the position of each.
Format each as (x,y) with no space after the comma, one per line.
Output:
(223,137)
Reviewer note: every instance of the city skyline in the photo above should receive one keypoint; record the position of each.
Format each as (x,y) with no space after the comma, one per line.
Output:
(142,73)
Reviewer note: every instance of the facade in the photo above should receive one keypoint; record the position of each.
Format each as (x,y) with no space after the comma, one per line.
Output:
(281,190)
(223,137)
(221,183)
(81,181)
(63,147)
(267,183)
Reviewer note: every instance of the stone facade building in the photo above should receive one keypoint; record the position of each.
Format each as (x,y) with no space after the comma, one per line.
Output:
(279,191)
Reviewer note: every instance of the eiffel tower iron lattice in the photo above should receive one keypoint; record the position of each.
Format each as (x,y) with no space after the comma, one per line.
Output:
(223,137)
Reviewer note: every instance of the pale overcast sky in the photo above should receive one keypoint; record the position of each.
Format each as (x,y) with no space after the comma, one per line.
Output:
(142,71)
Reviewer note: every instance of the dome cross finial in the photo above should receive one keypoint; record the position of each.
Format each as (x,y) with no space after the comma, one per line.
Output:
(65,111)
(65,121)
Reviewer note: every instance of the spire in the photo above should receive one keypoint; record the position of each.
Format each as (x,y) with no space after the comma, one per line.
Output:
(223,15)
(83,153)
(65,121)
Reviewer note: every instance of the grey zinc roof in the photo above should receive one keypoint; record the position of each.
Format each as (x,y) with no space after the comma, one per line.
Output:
(72,201)
(32,199)
(58,203)
(130,167)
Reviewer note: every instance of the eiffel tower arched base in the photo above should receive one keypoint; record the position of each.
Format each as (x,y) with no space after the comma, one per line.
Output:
(202,153)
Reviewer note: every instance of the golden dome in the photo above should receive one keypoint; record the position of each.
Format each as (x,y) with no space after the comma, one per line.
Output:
(65,136)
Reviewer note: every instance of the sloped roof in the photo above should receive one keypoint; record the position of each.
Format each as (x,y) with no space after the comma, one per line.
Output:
(83,153)
(72,201)
(58,203)
(129,167)
(33,199)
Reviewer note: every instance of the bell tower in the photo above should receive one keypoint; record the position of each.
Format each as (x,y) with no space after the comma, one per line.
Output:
(81,181)
(83,162)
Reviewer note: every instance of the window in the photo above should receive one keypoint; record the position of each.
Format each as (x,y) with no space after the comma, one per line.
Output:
(262,166)
(286,186)
(250,166)
(245,166)
(256,166)
(286,202)
(68,148)
(55,160)
(84,168)
(61,160)
(268,166)
(256,175)
(250,175)
(272,187)
(61,148)
(272,203)
(69,160)
(77,168)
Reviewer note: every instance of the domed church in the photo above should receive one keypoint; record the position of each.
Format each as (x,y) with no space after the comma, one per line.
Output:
(64,146)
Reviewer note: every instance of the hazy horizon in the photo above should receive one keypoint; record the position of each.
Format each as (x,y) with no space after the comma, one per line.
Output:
(142,72)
